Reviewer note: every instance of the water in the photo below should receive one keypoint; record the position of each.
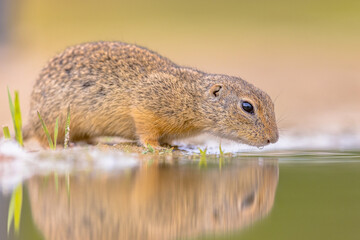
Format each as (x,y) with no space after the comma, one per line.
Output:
(278,195)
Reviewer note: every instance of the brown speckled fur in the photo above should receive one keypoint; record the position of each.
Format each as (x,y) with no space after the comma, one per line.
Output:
(119,89)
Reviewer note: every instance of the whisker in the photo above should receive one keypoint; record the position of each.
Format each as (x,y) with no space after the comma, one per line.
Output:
(282,118)
(284,130)
(277,96)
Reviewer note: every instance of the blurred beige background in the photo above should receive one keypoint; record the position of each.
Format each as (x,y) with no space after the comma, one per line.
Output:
(305,54)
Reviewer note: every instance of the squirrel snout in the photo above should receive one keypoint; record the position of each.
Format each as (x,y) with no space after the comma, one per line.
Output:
(273,138)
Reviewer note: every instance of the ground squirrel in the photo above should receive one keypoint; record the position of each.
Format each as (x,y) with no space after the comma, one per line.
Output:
(119,89)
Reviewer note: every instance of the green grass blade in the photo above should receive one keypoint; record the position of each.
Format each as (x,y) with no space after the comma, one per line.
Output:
(16,116)
(17,207)
(18,120)
(11,211)
(13,116)
(221,157)
(221,151)
(11,105)
(67,129)
(51,145)
(56,129)
(6,132)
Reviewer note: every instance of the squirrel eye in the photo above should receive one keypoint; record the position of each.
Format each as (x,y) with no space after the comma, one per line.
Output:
(247,107)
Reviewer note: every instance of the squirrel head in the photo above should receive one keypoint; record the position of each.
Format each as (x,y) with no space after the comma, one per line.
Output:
(237,110)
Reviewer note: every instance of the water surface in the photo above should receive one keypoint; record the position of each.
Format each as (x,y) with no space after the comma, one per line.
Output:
(279,195)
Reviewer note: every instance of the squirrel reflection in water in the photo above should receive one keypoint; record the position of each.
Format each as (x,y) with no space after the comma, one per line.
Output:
(157,202)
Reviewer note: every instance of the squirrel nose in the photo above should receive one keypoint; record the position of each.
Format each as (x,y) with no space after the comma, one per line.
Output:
(273,138)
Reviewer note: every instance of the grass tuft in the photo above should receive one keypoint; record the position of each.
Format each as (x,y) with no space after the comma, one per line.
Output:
(203,152)
(51,145)
(203,162)
(149,149)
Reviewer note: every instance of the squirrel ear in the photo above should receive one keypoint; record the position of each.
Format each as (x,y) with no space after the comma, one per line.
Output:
(215,90)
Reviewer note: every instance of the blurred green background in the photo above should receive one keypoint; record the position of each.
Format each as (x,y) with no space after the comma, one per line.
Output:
(305,54)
